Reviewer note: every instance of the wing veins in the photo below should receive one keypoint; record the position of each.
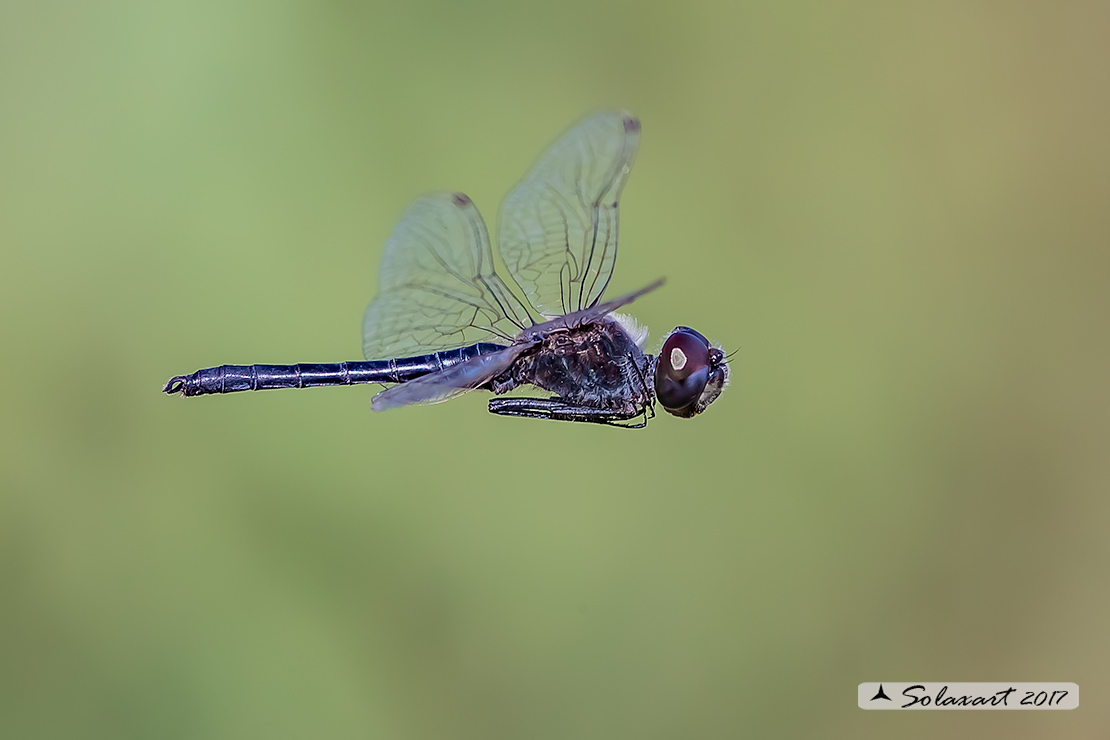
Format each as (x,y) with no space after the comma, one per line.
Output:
(570,194)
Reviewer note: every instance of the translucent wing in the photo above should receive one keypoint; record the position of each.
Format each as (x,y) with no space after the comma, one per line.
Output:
(578,318)
(437,288)
(558,228)
(449,383)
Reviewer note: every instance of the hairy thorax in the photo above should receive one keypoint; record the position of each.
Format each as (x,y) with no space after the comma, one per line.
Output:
(597,365)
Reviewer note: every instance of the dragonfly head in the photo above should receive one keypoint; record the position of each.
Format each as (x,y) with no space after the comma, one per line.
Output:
(690,373)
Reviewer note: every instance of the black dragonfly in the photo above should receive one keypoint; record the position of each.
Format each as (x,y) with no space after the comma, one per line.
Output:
(444,322)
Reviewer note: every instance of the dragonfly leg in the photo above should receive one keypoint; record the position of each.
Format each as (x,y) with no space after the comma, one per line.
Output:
(649,407)
(559,410)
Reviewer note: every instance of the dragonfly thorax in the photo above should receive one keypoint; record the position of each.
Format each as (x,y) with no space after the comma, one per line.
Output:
(598,364)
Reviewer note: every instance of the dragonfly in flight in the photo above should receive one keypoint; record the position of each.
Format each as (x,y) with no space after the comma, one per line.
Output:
(444,322)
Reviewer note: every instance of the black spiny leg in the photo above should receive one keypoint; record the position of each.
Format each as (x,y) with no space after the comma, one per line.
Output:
(649,394)
(559,410)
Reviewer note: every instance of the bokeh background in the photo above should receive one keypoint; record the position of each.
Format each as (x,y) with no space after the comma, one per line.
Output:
(896,211)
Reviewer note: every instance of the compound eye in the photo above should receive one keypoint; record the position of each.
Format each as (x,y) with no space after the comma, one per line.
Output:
(682,371)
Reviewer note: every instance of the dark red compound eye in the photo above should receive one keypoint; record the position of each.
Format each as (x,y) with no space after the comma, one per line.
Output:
(682,372)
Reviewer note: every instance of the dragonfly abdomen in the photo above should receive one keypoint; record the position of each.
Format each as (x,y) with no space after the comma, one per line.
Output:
(234,378)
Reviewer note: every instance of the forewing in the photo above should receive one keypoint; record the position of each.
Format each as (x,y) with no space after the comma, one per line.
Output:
(449,383)
(558,227)
(437,288)
(578,318)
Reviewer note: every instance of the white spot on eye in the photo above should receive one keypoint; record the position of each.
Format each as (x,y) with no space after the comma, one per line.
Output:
(678,359)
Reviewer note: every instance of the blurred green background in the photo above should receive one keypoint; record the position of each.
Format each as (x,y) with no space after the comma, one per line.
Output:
(898,211)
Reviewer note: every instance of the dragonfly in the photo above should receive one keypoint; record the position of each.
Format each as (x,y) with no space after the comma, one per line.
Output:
(445,321)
